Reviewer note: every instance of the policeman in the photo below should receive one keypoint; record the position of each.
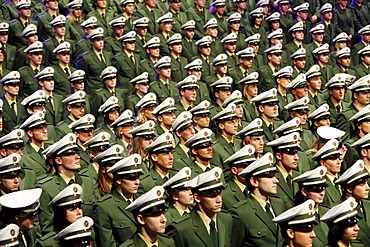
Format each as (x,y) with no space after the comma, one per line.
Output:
(142,36)
(110,112)
(165,115)
(112,43)
(321,55)
(195,68)
(201,115)
(253,134)
(243,66)
(177,60)
(221,90)
(188,90)
(77,83)
(299,62)
(189,48)
(28,36)
(362,68)
(84,45)
(313,77)
(9,174)
(343,58)
(122,126)
(145,107)
(265,79)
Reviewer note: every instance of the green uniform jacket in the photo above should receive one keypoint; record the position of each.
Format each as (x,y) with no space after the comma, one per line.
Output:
(106,128)
(178,72)
(28,179)
(249,31)
(225,149)
(84,158)
(355,58)
(329,33)
(180,158)
(265,80)
(285,20)
(364,224)
(207,69)
(292,47)
(326,74)
(249,111)
(222,25)
(252,227)
(191,231)
(136,241)
(152,25)
(332,195)
(361,70)
(343,21)
(62,128)
(74,30)
(9,10)
(189,49)
(232,195)
(172,214)
(126,70)
(284,193)
(333,111)
(112,45)
(49,57)
(44,29)
(200,19)
(151,179)
(9,57)
(321,230)
(28,84)
(62,87)
(91,64)
(102,22)
(344,124)
(179,19)
(146,65)
(10,120)
(55,115)
(112,222)
(33,160)
(132,100)
(51,186)
(163,92)
(82,46)
(21,58)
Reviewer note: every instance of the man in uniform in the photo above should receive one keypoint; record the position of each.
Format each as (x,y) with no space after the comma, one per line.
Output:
(229,48)
(9,51)
(195,68)
(343,58)
(326,12)
(362,68)
(43,27)
(219,71)
(29,35)
(152,55)
(322,54)
(189,48)
(188,90)
(112,43)
(206,225)
(142,35)
(364,41)
(9,178)
(200,15)
(84,45)
(265,79)
(103,17)
(141,88)
(179,17)
(297,32)
(165,115)
(177,61)
(221,90)
(205,54)
(244,67)
(253,217)
(253,134)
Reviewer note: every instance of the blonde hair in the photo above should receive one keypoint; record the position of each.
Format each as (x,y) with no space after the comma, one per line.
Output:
(72,18)
(135,147)
(104,182)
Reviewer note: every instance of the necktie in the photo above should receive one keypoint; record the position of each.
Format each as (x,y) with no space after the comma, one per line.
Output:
(165,179)
(289,183)
(102,15)
(66,70)
(268,211)
(338,108)
(12,105)
(208,169)
(132,59)
(246,73)
(336,185)
(53,17)
(245,191)
(167,37)
(213,233)
(40,151)
(207,60)
(102,59)
(50,99)
(130,20)
(71,182)
(36,71)
(189,108)
(26,24)
(316,99)
(61,41)
(152,13)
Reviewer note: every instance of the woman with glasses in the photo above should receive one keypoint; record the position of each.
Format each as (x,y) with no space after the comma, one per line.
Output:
(114,224)
(142,136)
(74,20)
(312,185)
(354,183)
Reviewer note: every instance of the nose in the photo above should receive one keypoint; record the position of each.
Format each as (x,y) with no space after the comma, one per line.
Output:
(313,234)
(356,227)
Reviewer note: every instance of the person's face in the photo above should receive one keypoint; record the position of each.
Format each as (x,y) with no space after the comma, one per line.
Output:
(319,37)
(252,90)
(25,221)
(300,92)
(146,142)
(220,10)
(129,8)
(235,26)
(125,130)
(113,115)
(314,83)
(185,197)
(187,133)
(247,62)
(302,116)
(118,31)
(148,113)
(197,73)
(88,30)
(151,3)
(110,82)
(223,94)
(345,61)
(190,94)
(221,69)
(314,194)
(230,127)
(101,4)
(189,33)
(210,202)
(257,142)
(255,46)
(77,12)
(275,58)
(175,6)
(303,238)
(303,14)
(130,184)
(153,52)
(341,44)
(283,81)
(168,118)
(25,12)
(142,89)
(300,63)
(213,32)
(84,135)
(323,58)
(343,3)
(200,3)
(327,15)
(230,47)
(78,85)
(361,191)
(203,121)
(337,93)
(275,25)
(52,4)
(32,38)
(298,35)
(165,72)
(71,162)
(258,21)
(241,5)
(98,43)
(239,110)
(129,45)
(73,214)
(270,110)
(48,85)
(204,153)
(366,59)
(9,183)
(36,108)
(167,27)
(39,134)
(266,185)
(350,233)
(12,89)
(60,30)
(364,126)
(363,97)
(142,31)
(35,58)
(284,7)
(322,122)
(176,48)
(333,165)
(155,224)
(205,50)
(77,112)
(366,37)
(64,57)
(164,160)
(289,160)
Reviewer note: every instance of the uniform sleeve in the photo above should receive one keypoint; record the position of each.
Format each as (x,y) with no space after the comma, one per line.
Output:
(237,230)
(104,235)
(47,216)
(174,233)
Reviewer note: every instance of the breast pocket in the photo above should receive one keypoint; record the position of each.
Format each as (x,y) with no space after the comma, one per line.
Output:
(258,233)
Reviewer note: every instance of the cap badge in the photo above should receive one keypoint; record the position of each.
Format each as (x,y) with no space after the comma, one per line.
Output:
(117,149)
(158,193)
(321,172)
(352,204)
(71,138)
(19,133)
(86,223)
(168,137)
(136,160)
(14,159)
(103,137)
(310,207)
(12,232)
(187,172)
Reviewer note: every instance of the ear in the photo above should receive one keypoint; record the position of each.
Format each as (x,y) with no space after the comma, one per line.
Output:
(182,92)
(349,190)
(160,119)
(261,108)
(69,108)
(217,94)
(118,181)
(254,181)
(363,152)
(221,126)
(58,160)
(322,162)
(197,198)
(3,153)
(194,151)
(154,157)
(294,92)
(30,133)
(140,219)
(234,170)
(278,156)
(304,192)
(290,233)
